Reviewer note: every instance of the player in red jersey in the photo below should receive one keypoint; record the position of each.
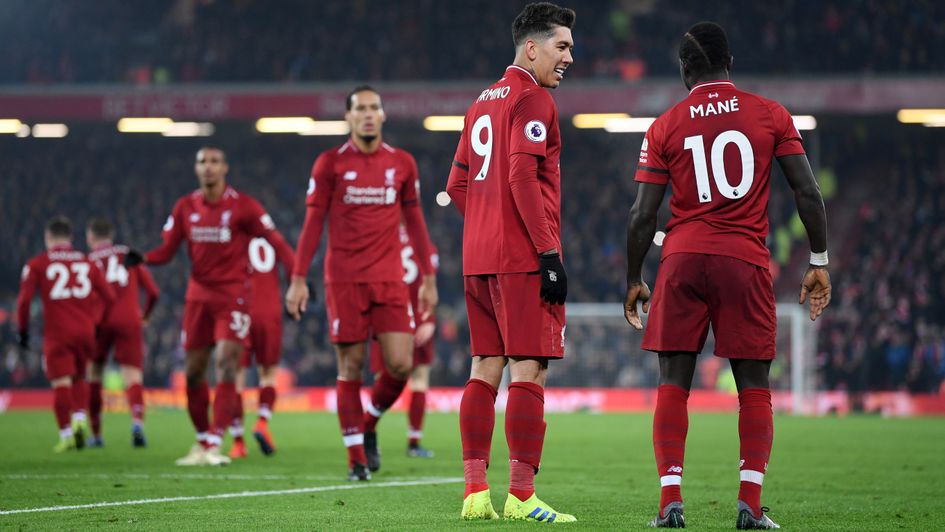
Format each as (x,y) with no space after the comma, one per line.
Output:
(506,183)
(264,342)
(364,188)
(715,149)
(122,328)
(65,280)
(217,222)
(419,381)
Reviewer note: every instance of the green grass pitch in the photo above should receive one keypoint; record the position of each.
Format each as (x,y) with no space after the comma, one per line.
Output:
(854,473)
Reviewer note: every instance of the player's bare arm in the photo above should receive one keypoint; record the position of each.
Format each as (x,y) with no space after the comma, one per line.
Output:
(815,285)
(641,226)
(428,297)
(296,297)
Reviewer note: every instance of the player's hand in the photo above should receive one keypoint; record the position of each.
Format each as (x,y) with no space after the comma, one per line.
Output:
(636,293)
(816,286)
(296,298)
(133,258)
(427,297)
(23,338)
(554,280)
(424,333)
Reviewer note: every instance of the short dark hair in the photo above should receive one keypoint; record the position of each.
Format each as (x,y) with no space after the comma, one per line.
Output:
(349,101)
(101,228)
(704,48)
(540,19)
(213,147)
(59,226)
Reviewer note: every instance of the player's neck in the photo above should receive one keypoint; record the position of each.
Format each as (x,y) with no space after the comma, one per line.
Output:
(720,75)
(214,192)
(58,244)
(101,244)
(367,145)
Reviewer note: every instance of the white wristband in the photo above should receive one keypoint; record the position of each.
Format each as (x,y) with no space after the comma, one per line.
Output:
(818,259)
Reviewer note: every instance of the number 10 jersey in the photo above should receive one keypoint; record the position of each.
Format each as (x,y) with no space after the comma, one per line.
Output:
(514,115)
(715,149)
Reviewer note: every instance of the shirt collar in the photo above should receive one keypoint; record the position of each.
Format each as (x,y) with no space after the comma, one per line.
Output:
(718,84)
(521,72)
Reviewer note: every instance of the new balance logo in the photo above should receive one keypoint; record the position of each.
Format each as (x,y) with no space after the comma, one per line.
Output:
(675,469)
(350,175)
(553,276)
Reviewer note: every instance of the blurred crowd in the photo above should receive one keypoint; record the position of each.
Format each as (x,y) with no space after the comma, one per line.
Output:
(184,41)
(886,197)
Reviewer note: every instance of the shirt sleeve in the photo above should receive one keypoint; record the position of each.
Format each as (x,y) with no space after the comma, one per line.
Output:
(257,221)
(532,115)
(321,186)
(458,182)
(410,193)
(29,283)
(787,137)
(172,235)
(652,166)
(150,288)
(321,183)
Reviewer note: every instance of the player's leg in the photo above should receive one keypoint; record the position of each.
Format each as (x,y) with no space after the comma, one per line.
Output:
(129,353)
(744,320)
(670,427)
(236,426)
(80,396)
(350,412)
(267,402)
(396,349)
(96,370)
(60,365)
(196,362)
(419,385)
(227,358)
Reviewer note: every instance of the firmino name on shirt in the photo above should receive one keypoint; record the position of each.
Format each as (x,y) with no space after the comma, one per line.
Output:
(494,94)
(714,108)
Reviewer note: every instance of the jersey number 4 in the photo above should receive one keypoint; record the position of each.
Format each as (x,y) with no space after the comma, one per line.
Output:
(747,155)
(59,274)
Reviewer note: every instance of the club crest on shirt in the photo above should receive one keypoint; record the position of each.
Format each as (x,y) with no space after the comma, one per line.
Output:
(536,131)
(389,177)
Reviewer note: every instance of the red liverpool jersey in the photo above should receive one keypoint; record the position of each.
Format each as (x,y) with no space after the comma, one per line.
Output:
(715,148)
(364,196)
(125,282)
(66,282)
(217,235)
(267,292)
(412,277)
(514,115)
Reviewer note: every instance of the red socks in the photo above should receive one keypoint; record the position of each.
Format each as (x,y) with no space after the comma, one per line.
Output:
(476,423)
(236,425)
(62,406)
(80,394)
(135,395)
(198,403)
(351,417)
(267,401)
(525,432)
(670,425)
(756,433)
(418,406)
(224,406)
(385,392)
(95,407)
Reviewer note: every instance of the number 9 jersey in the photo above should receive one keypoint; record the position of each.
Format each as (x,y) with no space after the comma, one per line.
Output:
(514,115)
(715,149)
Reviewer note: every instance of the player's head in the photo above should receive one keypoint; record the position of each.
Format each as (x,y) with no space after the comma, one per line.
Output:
(365,113)
(543,43)
(211,166)
(704,54)
(98,230)
(58,231)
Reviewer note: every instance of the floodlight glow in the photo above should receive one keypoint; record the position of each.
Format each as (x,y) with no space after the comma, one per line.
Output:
(595,120)
(50,131)
(629,125)
(805,122)
(444,123)
(326,127)
(284,124)
(10,125)
(921,116)
(144,125)
(189,129)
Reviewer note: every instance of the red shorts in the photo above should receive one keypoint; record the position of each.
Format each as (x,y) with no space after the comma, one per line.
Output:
(421,355)
(128,341)
(67,357)
(264,342)
(508,318)
(356,310)
(694,290)
(208,322)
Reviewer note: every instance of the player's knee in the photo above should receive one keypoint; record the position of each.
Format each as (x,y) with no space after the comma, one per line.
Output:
(399,369)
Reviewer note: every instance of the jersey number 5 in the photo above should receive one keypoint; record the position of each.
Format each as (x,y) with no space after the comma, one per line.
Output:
(747,155)
(59,275)
(483,149)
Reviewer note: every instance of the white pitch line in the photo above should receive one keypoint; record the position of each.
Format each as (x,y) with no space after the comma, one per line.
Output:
(295,491)
(171,476)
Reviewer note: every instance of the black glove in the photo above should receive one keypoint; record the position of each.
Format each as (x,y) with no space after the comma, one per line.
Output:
(23,338)
(554,281)
(133,258)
